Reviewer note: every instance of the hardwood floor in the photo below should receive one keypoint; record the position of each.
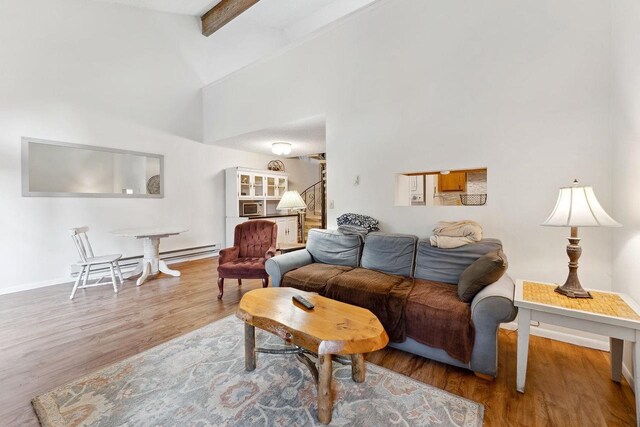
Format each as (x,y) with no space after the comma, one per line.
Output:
(47,340)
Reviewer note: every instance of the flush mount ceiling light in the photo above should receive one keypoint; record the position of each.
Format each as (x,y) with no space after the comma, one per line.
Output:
(281,148)
(445,172)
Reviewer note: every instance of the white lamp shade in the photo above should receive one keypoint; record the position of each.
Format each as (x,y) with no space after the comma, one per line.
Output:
(578,207)
(291,200)
(281,148)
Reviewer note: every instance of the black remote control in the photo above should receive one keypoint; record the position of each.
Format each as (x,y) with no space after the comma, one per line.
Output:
(303,301)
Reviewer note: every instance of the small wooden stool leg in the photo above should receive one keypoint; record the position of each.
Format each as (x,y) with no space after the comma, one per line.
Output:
(358,369)
(325,400)
(239,282)
(249,347)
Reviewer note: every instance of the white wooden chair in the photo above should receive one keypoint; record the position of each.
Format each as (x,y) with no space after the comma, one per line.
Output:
(88,260)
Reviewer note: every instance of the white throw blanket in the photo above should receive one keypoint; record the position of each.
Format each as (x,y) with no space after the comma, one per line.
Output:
(453,234)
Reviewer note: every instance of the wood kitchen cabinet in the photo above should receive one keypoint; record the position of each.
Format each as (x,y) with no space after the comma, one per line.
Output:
(454,181)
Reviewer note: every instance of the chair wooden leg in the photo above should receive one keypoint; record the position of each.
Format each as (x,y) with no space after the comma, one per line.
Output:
(77,283)
(113,278)
(265,282)
(119,273)
(86,276)
(220,287)
(239,282)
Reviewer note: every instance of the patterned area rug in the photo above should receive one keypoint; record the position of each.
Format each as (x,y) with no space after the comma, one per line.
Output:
(199,380)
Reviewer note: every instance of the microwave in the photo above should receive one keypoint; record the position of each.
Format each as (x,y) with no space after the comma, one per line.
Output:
(251,209)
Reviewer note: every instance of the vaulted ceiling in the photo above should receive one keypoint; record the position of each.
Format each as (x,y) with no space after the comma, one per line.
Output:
(263,29)
(182,7)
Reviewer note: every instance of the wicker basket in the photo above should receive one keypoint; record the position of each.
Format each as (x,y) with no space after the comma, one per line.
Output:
(473,199)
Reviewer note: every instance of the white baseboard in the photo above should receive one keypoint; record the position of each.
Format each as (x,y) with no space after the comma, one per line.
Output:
(626,373)
(127,265)
(541,331)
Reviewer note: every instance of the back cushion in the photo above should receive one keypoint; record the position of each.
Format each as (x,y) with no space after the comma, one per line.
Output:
(331,247)
(255,237)
(390,253)
(446,265)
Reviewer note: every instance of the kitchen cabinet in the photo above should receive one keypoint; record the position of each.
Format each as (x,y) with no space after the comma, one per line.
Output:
(454,181)
(287,229)
(264,188)
(251,185)
(276,186)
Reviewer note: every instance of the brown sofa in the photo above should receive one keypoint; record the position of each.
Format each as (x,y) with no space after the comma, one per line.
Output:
(411,287)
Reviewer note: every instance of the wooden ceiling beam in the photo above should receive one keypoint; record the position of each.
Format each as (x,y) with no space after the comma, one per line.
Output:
(223,13)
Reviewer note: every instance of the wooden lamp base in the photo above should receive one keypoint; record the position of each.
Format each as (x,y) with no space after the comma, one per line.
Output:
(572,287)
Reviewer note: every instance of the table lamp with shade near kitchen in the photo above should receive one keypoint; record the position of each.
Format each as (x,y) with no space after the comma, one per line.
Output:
(292,200)
(577,206)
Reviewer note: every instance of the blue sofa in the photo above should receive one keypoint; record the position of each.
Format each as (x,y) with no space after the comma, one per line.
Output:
(405,257)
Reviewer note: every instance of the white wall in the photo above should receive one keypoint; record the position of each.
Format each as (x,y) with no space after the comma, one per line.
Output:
(100,74)
(626,162)
(626,167)
(302,173)
(522,88)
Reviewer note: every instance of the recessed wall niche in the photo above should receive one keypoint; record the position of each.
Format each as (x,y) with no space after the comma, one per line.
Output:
(461,187)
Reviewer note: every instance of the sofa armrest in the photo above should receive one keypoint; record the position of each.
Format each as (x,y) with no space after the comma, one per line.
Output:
(280,265)
(494,303)
(490,307)
(228,254)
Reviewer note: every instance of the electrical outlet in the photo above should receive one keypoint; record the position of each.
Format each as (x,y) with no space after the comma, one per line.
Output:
(331,205)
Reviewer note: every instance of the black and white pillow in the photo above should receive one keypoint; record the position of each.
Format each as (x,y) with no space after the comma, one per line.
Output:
(363,221)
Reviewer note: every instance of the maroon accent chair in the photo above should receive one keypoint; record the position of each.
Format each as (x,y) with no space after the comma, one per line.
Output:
(253,244)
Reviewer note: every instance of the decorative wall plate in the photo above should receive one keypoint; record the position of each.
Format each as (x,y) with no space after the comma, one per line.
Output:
(276,165)
(153,185)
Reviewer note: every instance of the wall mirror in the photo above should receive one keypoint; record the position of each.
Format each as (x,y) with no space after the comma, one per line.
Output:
(60,169)
(463,187)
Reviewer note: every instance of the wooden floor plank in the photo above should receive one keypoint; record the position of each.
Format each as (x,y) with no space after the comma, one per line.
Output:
(47,340)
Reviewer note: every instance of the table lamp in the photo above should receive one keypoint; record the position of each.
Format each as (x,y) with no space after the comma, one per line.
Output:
(292,200)
(577,206)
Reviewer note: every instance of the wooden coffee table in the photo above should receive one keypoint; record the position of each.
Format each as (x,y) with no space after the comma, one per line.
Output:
(332,329)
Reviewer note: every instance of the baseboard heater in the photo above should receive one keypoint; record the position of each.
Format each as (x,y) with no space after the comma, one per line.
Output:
(129,263)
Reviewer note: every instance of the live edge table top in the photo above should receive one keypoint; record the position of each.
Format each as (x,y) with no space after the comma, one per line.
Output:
(332,327)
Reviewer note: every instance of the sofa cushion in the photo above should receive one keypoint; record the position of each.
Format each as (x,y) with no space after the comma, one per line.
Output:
(446,265)
(243,268)
(389,253)
(312,277)
(384,294)
(482,272)
(435,316)
(331,247)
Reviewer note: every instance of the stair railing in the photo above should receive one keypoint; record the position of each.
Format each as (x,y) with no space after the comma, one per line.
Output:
(313,197)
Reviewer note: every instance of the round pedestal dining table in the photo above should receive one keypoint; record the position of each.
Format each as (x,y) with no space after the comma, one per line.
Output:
(151,264)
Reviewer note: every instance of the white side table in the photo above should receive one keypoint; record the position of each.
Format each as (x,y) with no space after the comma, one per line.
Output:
(151,263)
(610,314)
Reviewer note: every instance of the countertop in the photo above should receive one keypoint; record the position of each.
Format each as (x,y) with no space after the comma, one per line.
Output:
(270,216)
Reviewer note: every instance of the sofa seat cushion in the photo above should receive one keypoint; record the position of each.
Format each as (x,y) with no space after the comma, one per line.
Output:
(436,316)
(385,295)
(243,268)
(313,277)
